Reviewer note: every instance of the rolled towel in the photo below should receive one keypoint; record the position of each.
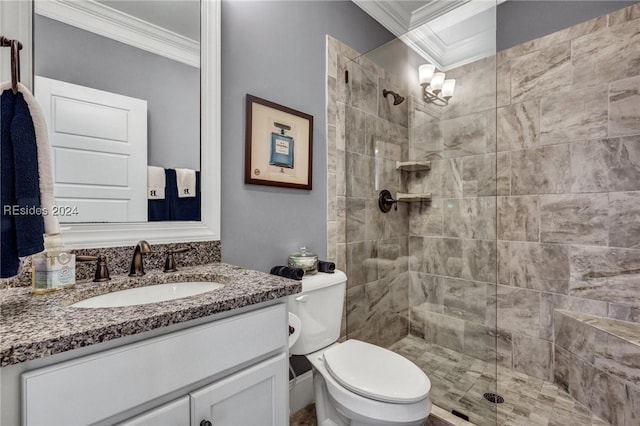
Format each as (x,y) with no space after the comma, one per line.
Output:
(156,183)
(327,267)
(287,272)
(186,181)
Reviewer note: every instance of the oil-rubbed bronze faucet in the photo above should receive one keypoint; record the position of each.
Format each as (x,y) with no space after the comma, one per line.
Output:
(137,264)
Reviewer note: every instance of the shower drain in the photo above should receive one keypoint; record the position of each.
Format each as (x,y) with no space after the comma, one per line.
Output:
(493,397)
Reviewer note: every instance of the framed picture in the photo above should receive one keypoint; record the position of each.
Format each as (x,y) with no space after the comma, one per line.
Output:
(279,145)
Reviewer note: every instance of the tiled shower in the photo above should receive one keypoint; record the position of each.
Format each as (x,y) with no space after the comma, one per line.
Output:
(522,275)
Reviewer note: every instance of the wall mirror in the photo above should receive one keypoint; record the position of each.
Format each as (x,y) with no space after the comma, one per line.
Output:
(153,66)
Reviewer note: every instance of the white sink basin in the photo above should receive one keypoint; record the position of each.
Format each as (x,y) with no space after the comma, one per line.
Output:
(149,294)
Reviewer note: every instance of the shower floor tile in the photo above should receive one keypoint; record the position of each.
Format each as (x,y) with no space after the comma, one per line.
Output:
(459,381)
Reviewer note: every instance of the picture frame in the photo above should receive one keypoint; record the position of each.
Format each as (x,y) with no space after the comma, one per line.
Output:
(278,145)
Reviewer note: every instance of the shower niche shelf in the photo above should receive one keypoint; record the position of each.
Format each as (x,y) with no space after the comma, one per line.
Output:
(412,198)
(386,201)
(413,166)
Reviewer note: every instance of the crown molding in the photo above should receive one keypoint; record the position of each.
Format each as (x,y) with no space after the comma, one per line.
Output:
(481,46)
(390,15)
(100,19)
(420,29)
(433,9)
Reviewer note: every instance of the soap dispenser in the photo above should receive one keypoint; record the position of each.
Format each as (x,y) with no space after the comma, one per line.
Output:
(54,268)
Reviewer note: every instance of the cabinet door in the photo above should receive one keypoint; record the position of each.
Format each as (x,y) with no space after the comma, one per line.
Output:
(256,396)
(174,413)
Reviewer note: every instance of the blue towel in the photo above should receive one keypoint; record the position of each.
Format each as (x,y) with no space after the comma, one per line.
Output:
(287,272)
(158,210)
(182,208)
(22,222)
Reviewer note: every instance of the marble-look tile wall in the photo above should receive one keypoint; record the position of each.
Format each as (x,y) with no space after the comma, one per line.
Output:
(536,195)
(568,192)
(545,183)
(366,136)
(597,360)
(452,240)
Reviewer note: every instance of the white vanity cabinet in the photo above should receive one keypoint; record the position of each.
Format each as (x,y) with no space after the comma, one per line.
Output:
(230,372)
(252,397)
(174,413)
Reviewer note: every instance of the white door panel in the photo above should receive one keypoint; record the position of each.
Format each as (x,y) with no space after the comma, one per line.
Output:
(90,167)
(99,142)
(77,117)
(64,140)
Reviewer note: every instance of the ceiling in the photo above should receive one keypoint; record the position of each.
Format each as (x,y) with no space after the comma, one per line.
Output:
(447,33)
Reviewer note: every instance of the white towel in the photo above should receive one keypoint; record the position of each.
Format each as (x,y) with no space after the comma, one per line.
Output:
(45,165)
(186,181)
(156,182)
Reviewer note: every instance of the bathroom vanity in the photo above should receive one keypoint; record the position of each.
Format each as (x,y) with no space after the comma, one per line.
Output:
(216,358)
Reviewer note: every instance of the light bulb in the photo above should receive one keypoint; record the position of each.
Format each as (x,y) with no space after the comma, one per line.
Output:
(436,82)
(425,73)
(447,88)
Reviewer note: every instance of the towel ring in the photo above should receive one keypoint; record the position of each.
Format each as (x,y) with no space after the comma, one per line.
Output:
(15,65)
(16,47)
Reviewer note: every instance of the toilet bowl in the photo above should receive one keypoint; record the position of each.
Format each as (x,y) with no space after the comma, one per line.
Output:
(358,383)
(355,383)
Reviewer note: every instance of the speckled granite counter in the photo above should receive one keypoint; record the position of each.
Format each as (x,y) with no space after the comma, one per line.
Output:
(34,326)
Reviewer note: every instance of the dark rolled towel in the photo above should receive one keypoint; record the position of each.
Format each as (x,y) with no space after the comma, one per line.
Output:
(328,267)
(285,271)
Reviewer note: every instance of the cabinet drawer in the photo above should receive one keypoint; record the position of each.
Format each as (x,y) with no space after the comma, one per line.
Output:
(98,386)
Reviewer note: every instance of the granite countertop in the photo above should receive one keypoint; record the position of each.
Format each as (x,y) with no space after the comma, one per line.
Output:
(34,326)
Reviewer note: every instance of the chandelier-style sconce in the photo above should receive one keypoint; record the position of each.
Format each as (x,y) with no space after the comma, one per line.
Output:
(435,89)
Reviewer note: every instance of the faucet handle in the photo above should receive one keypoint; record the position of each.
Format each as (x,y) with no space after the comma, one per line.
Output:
(170,261)
(102,271)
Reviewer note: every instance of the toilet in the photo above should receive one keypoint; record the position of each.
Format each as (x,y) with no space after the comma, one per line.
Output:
(355,383)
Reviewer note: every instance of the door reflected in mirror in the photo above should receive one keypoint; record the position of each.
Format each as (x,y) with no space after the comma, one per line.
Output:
(119,84)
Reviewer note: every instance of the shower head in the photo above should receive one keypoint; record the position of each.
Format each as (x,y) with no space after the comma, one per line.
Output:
(397,99)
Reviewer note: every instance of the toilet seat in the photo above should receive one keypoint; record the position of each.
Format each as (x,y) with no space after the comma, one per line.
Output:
(376,373)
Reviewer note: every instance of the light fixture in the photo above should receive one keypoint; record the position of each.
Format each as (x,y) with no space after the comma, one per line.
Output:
(435,89)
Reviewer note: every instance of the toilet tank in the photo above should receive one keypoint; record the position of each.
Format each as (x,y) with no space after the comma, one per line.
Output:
(319,307)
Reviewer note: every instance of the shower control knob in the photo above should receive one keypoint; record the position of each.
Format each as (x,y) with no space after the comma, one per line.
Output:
(386,201)
(205,423)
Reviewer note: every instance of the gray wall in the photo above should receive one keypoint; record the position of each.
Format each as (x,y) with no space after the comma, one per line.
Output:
(524,20)
(171,88)
(276,50)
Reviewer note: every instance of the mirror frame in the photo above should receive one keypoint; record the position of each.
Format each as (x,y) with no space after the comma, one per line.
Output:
(16,22)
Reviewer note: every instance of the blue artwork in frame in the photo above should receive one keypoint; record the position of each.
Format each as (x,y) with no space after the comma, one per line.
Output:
(278,145)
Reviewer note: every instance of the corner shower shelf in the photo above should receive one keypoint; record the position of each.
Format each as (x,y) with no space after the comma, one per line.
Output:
(413,166)
(412,198)
(386,201)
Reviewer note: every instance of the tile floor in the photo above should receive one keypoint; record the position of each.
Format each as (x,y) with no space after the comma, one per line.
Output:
(307,417)
(458,382)
(304,417)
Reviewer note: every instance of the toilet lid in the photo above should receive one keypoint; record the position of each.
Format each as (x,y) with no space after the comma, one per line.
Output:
(376,373)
